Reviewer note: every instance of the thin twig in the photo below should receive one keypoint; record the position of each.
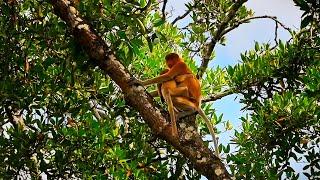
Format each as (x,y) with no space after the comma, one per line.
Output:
(246,20)
(185,14)
(274,18)
(215,97)
(196,50)
(275,36)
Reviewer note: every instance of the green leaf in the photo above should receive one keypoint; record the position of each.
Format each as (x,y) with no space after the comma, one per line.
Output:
(159,22)
(256,46)
(227,150)
(306,21)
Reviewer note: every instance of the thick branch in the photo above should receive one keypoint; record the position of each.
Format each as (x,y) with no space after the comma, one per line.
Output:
(218,34)
(192,148)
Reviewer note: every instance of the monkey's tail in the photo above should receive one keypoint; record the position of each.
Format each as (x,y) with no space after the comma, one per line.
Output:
(210,127)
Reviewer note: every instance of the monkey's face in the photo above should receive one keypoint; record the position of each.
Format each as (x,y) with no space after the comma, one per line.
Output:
(170,62)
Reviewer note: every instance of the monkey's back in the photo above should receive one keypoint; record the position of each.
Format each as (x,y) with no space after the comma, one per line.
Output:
(193,84)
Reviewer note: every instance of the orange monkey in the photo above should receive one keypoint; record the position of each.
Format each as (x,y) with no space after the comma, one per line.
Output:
(181,90)
(171,84)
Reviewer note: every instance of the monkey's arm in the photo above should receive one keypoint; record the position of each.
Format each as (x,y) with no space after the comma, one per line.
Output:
(164,76)
(157,80)
(167,75)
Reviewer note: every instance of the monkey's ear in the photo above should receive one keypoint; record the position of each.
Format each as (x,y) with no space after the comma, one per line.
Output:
(134,82)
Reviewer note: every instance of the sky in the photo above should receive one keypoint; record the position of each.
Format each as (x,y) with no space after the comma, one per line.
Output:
(242,39)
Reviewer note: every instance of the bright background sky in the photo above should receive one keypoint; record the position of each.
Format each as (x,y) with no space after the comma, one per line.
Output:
(242,39)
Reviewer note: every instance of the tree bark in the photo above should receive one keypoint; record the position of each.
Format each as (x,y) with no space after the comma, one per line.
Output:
(189,142)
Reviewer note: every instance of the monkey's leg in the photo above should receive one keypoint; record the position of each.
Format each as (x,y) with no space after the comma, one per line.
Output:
(177,91)
(184,104)
(169,90)
(168,99)
(180,91)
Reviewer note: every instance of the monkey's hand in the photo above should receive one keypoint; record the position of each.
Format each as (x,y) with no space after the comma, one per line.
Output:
(135,82)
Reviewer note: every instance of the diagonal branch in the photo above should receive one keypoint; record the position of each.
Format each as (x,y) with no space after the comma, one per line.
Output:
(185,14)
(192,148)
(145,7)
(218,34)
(215,97)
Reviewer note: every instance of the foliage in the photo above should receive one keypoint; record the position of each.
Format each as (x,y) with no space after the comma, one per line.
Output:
(281,88)
(49,83)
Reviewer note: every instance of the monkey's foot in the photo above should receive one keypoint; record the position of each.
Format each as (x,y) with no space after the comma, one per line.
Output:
(134,81)
(172,130)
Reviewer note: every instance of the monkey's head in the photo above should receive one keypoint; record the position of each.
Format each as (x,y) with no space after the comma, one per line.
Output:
(172,59)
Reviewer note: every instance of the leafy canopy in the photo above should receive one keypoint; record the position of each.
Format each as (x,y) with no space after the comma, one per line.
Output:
(50,92)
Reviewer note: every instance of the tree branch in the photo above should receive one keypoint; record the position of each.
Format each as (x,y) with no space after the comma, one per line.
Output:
(274,18)
(185,14)
(246,20)
(146,6)
(163,10)
(192,148)
(215,97)
(219,33)
(275,36)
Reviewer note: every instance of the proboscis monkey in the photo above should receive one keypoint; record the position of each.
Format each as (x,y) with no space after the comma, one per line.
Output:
(181,90)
